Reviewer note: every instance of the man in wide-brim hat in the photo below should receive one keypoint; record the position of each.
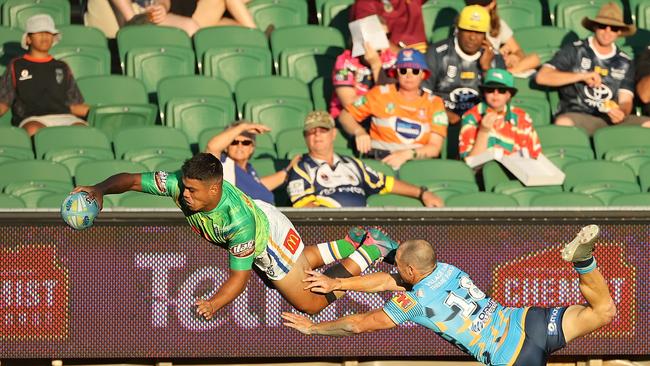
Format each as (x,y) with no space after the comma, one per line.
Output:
(595,77)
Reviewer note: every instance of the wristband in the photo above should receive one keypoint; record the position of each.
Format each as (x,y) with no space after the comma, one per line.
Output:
(422,190)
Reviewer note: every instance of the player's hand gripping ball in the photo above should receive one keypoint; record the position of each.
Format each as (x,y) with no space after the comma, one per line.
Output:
(79,211)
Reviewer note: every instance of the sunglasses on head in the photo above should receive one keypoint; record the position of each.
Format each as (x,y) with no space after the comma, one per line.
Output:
(614,28)
(492,90)
(242,142)
(404,71)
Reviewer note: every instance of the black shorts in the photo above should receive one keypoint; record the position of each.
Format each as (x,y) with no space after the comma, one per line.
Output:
(544,336)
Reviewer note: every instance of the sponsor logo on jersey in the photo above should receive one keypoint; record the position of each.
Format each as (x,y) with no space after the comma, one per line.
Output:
(468,75)
(58,73)
(296,187)
(160,177)
(585,63)
(390,107)
(596,96)
(407,129)
(24,75)
(484,316)
(292,241)
(618,74)
(442,48)
(404,301)
(463,98)
(551,328)
(243,250)
(360,101)
(452,71)
(602,71)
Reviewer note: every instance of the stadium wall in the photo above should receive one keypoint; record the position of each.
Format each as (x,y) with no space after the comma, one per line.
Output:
(125,288)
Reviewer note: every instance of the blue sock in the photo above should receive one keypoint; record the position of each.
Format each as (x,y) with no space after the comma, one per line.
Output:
(585,266)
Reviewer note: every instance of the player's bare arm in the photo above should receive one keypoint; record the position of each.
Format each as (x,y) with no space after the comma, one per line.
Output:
(229,291)
(375,282)
(118,183)
(346,326)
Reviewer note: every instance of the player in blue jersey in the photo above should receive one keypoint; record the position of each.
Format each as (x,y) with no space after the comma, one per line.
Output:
(444,299)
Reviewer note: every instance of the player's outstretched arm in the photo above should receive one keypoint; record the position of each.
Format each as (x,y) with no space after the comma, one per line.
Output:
(375,282)
(233,287)
(118,183)
(346,326)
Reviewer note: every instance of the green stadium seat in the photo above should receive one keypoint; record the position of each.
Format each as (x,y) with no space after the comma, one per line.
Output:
(634,45)
(55,200)
(264,147)
(5,119)
(269,87)
(480,199)
(85,61)
(92,172)
(206,135)
(9,201)
(537,108)
(336,14)
(169,165)
(72,145)
(130,38)
(16,12)
(603,179)
(279,13)
(569,14)
(439,14)
(151,144)
(84,49)
(565,142)
(644,177)
(627,144)
(145,200)
(526,195)
(226,37)
(392,200)
(264,166)
(542,37)
(565,199)
(379,167)
(634,199)
(520,14)
(443,177)
(236,63)
(9,46)
(306,64)
(117,102)
(494,174)
(14,144)
(442,33)
(278,113)
(304,36)
(31,179)
(195,103)
(643,15)
(321,93)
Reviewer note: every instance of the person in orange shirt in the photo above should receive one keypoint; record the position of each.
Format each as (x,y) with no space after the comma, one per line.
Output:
(406,122)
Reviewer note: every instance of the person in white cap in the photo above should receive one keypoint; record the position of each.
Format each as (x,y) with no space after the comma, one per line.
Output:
(40,90)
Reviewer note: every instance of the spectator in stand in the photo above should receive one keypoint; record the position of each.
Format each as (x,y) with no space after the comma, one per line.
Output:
(502,39)
(352,77)
(407,122)
(403,18)
(235,147)
(457,64)
(188,15)
(595,77)
(40,90)
(643,80)
(494,123)
(323,178)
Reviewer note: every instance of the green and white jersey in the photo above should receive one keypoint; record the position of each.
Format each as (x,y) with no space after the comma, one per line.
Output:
(236,224)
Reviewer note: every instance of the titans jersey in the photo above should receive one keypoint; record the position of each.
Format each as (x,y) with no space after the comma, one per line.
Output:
(448,302)
(236,224)
(455,76)
(615,69)
(346,184)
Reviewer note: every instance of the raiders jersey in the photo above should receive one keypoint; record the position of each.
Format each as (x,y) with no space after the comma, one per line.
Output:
(615,69)
(455,76)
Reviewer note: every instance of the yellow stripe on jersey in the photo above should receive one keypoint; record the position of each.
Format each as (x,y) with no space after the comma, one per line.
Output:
(279,251)
(304,201)
(390,182)
(441,326)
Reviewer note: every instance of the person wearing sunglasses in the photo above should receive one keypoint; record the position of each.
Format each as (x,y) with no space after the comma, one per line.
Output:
(406,122)
(494,123)
(324,178)
(235,146)
(595,77)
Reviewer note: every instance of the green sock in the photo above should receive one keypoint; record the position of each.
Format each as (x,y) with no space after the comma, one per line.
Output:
(335,250)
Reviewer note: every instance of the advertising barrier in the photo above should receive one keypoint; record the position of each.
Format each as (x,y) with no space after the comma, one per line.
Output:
(127,286)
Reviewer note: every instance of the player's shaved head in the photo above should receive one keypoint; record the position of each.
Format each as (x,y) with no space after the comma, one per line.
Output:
(418,254)
(204,167)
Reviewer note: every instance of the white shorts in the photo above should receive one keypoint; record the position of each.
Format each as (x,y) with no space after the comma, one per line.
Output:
(284,245)
(52,120)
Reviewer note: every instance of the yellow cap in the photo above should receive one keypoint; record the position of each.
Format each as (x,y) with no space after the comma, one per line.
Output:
(474,18)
